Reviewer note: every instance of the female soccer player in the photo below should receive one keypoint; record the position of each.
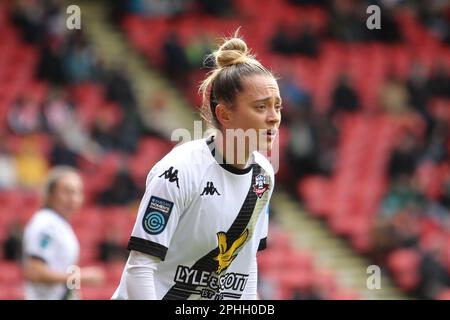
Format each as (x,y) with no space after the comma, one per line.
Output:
(50,245)
(204,213)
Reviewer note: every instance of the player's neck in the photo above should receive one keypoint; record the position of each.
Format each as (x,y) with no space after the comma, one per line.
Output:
(230,153)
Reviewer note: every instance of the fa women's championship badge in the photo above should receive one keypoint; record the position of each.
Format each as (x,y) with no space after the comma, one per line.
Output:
(260,185)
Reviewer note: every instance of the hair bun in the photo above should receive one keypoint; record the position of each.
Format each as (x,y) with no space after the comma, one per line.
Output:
(233,51)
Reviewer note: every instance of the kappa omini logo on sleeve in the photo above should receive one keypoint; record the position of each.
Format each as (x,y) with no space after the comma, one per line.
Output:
(156,216)
(171,174)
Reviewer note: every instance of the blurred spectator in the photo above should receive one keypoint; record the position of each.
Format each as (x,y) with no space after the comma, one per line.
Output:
(58,112)
(120,8)
(302,150)
(60,154)
(175,60)
(29,16)
(127,133)
(156,110)
(405,156)
(55,19)
(308,42)
(445,197)
(295,97)
(165,7)
(439,82)
(122,190)
(12,246)
(419,93)
(344,96)
(389,31)
(24,116)
(110,249)
(219,8)
(32,165)
(79,60)
(311,293)
(347,21)
(403,195)
(434,276)
(394,96)
(433,15)
(198,49)
(103,134)
(437,144)
(111,134)
(328,137)
(149,8)
(77,139)
(119,89)
(50,66)
(283,41)
(8,174)
(406,230)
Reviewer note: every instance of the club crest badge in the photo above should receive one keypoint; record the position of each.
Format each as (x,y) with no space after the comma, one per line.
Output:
(260,185)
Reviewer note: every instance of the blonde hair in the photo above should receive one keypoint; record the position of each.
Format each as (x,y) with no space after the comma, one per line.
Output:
(233,62)
(54,175)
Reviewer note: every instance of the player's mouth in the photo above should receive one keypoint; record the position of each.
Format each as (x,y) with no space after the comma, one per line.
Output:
(271,133)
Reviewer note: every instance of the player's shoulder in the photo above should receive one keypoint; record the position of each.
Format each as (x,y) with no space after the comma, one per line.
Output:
(188,158)
(264,163)
(44,220)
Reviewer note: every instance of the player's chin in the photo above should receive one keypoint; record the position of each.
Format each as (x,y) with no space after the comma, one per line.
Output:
(265,145)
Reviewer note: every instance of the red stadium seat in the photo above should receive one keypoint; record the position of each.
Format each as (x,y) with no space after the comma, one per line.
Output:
(345,295)
(10,273)
(404,264)
(12,291)
(97,293)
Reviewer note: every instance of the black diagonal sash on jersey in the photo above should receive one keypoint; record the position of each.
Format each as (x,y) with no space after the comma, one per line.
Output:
(207,263)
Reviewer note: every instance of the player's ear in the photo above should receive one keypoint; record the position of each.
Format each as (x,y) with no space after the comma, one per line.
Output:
(224,115)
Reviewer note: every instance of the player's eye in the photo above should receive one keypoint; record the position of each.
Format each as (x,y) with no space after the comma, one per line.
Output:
(279,107)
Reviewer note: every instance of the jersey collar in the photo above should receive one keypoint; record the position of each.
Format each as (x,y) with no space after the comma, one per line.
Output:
(211,145)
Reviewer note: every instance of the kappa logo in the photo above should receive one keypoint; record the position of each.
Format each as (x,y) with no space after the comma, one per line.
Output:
(227,255)
(171,175)
(209,189)
(260,185)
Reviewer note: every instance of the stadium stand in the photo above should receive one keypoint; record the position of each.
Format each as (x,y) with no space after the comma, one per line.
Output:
(398,86)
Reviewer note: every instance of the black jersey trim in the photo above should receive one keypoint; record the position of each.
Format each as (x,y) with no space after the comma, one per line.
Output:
(148,247)
(211,145)
(182,291)
(262,244)
(235,170)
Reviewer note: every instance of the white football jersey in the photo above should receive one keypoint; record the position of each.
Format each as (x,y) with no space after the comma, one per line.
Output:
(49,237)
(205,221)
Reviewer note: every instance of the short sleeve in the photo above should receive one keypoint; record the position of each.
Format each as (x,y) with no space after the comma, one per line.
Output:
(39,243)
(159,211)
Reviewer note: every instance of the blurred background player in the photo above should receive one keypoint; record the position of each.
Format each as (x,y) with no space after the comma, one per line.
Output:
(50,245)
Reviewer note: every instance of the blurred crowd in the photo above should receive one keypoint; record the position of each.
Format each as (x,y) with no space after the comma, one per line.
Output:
(68,59)
(422,94)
